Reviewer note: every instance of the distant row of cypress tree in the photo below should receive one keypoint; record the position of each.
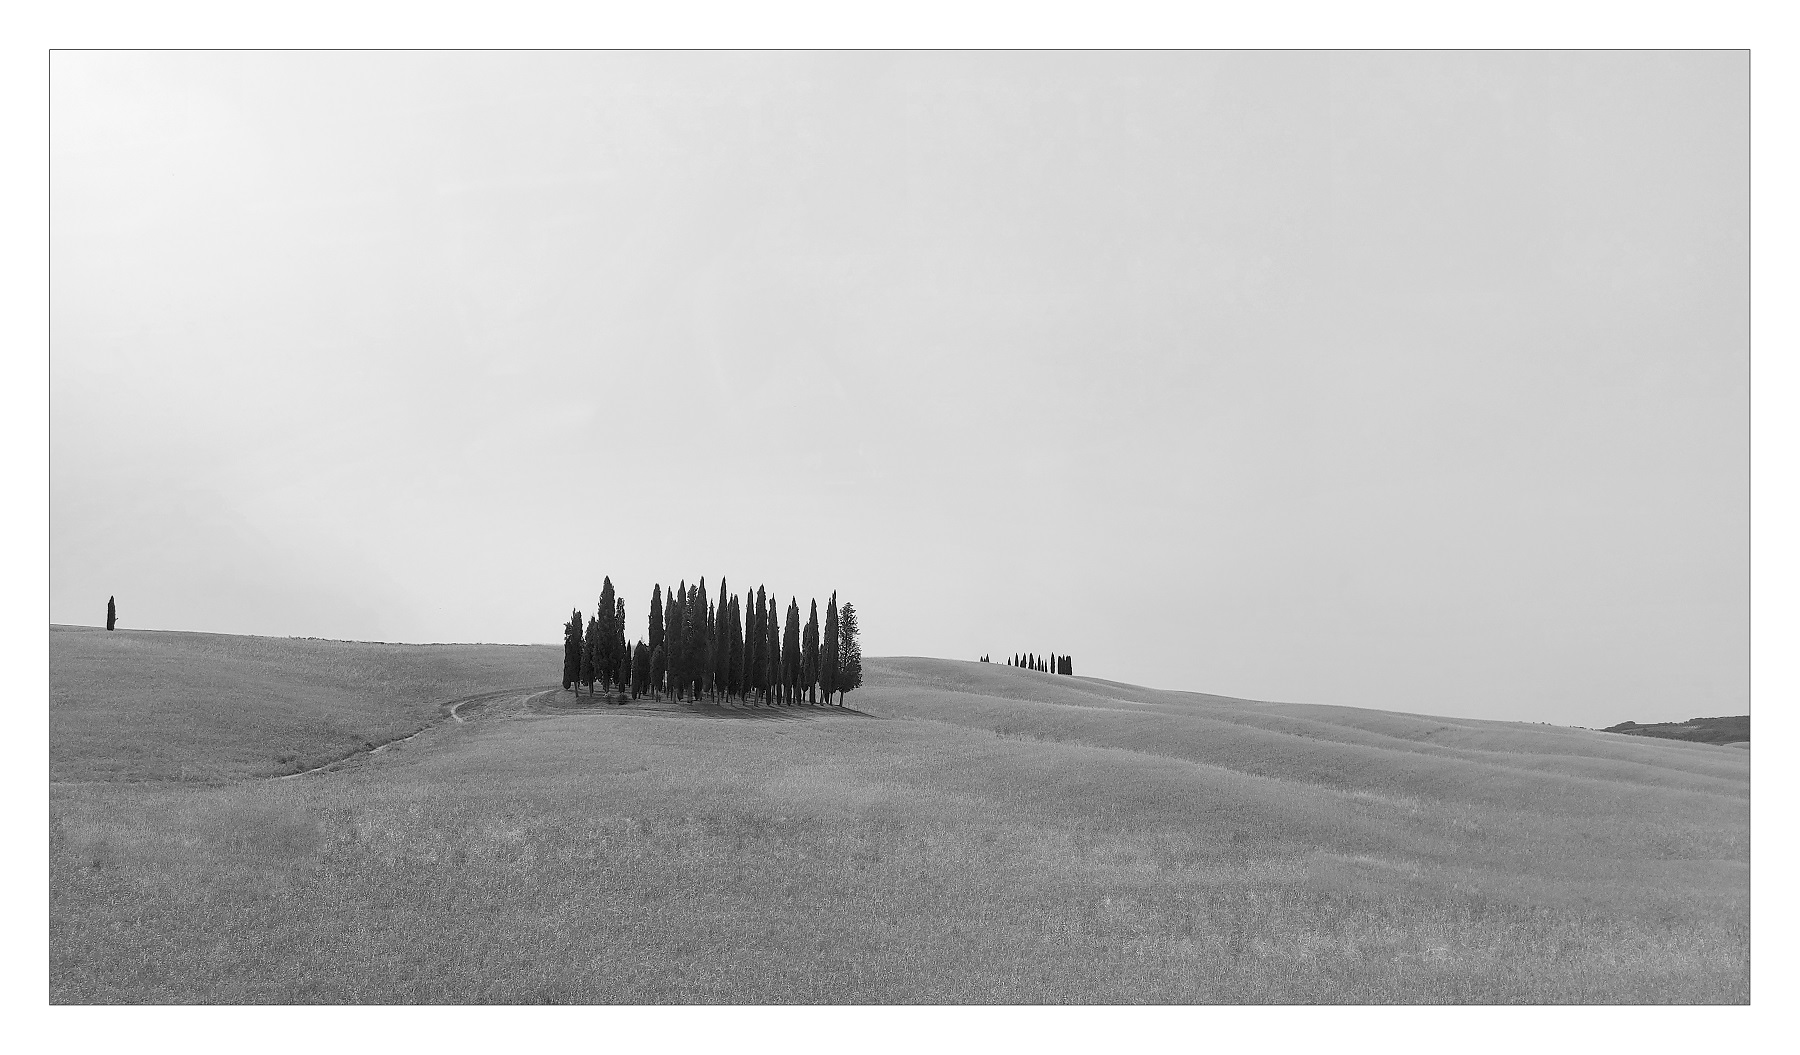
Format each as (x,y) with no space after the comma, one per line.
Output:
(731,649)
(1052,664)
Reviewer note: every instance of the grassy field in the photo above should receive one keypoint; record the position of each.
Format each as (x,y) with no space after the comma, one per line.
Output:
(965,833)
(150,705)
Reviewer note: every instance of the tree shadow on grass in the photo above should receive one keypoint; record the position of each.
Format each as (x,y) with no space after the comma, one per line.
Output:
(603,704)
(802,713)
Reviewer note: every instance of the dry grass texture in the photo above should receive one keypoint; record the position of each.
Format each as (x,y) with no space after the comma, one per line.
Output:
(983,834)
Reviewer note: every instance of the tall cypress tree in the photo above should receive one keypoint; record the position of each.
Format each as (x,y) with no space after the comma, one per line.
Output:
(621,648)
(734,638)
(677,626)
(721,651)
(603,648)
(772,627)
(698,654)
(809,655)
(688,597)
(790,652)
(656,636)
(849,652)
(640,670)
(572,649)
(588,647)
(756,643)
(112,614)
(828,650)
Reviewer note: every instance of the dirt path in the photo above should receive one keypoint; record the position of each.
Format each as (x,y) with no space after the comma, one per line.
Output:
(452,714)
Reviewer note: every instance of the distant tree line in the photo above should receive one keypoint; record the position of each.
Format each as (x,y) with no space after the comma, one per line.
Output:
(719,651)
(1051,664)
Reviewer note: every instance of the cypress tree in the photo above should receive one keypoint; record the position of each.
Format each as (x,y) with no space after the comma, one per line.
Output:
(809,655)
(640,670)
(701,652)
(849,652)
(588,648)
(828,650)
(756,643)
(734,639)
(112,614)
(621,648)
(677,623)
(603,648)
(694,637)
(572,649)
(656,636)
(772,627)
(790,652)
(721,653)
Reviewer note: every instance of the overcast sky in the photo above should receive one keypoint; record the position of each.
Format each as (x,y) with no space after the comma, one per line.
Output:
(1410,381)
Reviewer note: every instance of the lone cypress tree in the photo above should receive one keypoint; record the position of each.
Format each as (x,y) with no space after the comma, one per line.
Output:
(571,649)
(112,614)
(849,652)
(809,655)
(828,650)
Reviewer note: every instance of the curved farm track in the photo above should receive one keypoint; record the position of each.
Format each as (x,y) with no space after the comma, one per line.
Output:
(480,706)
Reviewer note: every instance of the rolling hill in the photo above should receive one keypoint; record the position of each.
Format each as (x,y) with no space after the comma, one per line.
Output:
(962,832)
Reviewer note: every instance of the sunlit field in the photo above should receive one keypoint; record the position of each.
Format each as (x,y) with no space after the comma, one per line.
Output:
(960,832)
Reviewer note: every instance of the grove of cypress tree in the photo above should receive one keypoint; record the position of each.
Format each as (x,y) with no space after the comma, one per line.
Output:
(828,650)
(112,614)
(849,652)
(572,650)
(809,654)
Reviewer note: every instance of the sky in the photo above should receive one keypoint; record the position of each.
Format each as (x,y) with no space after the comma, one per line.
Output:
(1414,381)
